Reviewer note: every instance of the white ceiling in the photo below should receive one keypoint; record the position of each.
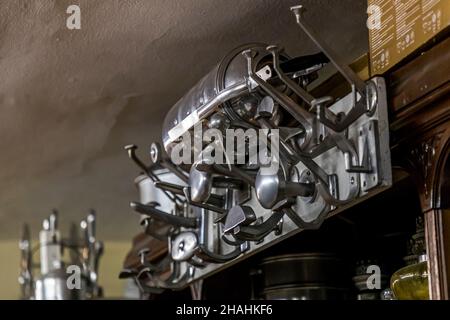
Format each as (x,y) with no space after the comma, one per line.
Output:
(71,99)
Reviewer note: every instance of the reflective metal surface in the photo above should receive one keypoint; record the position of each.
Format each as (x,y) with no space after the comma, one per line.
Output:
(330,153)
(60,278)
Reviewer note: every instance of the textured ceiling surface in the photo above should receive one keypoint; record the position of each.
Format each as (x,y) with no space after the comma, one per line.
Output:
(71,99)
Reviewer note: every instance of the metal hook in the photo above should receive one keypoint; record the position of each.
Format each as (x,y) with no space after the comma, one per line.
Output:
(303,117)
(343,68)
(170,219)
(131,150)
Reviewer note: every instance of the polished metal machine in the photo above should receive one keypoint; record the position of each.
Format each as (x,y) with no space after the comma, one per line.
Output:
(330,153)
(76,278)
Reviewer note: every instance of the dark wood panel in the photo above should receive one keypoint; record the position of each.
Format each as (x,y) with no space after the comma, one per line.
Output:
(418,78)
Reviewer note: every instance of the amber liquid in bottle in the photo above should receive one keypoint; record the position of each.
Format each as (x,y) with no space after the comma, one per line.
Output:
(411,282)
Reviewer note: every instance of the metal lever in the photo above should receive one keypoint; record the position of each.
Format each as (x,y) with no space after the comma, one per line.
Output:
(170,219)
(343,68)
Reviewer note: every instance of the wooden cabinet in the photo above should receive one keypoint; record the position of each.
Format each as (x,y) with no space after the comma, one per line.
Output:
(419,101)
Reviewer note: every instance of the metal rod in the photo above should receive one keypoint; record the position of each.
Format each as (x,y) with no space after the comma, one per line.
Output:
(342,67)
(299,91)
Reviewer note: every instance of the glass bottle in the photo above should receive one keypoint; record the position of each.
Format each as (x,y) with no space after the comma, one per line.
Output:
(411,282)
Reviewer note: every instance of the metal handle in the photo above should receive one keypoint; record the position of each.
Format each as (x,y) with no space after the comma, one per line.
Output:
(53,220)
(158,158)
(343,68)
(171,219)
(299,91)
(310,225)
(187,193)
(304,118)
(260,231)
(213,199)
(91,226)
(131,150)
(204,253)
(26,264)
(271,189)
(159,267)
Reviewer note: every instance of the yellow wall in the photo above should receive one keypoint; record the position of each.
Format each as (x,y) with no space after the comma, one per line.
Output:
(110,266)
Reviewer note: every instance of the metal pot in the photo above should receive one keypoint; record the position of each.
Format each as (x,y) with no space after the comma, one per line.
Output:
(305,276)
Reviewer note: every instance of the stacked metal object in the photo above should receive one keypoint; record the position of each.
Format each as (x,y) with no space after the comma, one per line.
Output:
(301,276)
(75,278)
(331,153)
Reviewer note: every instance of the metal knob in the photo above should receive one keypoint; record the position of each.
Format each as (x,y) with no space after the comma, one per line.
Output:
(184,246)
(200,183)
(273,189)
